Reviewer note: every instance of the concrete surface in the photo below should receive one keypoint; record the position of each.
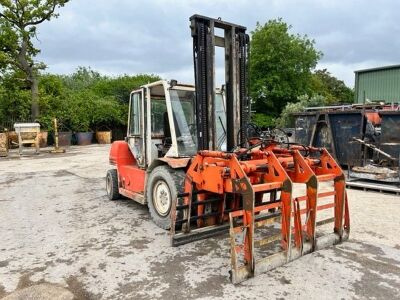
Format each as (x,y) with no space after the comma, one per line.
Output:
(43,291)
(59,231)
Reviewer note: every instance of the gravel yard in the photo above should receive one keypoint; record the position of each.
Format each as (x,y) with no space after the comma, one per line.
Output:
(60,234)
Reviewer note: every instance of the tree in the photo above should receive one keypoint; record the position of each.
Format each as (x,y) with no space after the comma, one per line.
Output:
(335,90)
(18,26)
(263,120)
(82,78)
(14,98)
(121,86)
(287,119)
(87,99)
(280,66)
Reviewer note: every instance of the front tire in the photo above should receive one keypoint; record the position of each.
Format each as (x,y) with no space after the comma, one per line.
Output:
(164,185)
(112,185)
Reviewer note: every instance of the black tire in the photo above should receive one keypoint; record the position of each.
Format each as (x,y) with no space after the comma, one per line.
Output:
(112,185)
(163,177)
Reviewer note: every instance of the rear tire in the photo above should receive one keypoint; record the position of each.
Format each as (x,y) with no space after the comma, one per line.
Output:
(163,186)
(112,185)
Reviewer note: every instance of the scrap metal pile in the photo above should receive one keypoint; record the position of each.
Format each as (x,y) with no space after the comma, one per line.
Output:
(365,139)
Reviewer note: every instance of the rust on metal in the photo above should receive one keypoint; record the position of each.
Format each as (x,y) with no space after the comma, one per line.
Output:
(220,189)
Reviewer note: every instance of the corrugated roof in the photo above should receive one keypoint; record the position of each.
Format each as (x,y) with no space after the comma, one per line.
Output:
(378,69)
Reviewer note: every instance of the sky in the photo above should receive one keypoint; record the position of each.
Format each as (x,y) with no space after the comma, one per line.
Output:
(132,36)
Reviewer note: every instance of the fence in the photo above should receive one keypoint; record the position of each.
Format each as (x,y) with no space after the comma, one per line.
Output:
(8,123)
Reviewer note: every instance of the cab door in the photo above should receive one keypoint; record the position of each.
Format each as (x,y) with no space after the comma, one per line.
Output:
(136,127)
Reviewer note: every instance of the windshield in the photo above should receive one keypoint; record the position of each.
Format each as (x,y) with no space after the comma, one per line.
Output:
(183,108)
(185,125)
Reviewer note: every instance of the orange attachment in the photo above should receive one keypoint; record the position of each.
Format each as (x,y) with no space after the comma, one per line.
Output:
(268,225)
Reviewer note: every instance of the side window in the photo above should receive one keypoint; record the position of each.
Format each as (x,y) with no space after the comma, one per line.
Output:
(159,116)
(136,114)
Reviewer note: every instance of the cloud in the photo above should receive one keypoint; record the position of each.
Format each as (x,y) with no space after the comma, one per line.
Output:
(123,36)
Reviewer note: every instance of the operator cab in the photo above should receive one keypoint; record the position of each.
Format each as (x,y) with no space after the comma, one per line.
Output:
(162,121)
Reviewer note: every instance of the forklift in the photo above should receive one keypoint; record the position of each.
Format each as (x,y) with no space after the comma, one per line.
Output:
(160,143)
(193,156)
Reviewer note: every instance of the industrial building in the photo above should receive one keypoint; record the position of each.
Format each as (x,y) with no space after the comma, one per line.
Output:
(378,85)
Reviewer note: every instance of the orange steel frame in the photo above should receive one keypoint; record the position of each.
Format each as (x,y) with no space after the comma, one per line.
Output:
(265,170)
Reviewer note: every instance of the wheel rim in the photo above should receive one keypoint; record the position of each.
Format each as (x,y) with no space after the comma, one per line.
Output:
(108,184)
(162,198)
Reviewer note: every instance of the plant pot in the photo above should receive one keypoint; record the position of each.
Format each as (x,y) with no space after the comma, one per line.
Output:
(3,144)
(13,139)
(103,137)
(43,135)
(64,138)
(84,138)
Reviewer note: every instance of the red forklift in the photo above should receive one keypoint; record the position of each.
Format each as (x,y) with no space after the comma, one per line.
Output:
(193,156)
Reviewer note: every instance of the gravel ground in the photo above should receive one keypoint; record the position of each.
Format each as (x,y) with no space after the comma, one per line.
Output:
(61,238)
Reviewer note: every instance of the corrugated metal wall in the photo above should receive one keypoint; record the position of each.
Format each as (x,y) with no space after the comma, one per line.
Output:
(378,85)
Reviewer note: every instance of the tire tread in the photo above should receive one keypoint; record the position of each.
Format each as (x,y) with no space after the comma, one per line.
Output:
(114,190)
(178,178)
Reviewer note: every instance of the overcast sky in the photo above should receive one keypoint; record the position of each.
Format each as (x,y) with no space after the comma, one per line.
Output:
(132,36)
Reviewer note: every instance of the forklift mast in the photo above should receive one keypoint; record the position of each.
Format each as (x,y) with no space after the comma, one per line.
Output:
(236,44)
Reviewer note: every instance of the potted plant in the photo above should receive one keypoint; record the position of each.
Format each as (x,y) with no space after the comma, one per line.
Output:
(82,105)
(13,139)
(45,124)
(84,136)
(103,136)
(80,124)
(56,107)
(108,112)
(64,135)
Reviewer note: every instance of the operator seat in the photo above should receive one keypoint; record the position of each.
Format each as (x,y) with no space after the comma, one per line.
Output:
(166,140)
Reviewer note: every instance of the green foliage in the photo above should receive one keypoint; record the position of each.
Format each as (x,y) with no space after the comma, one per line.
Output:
(287,120)
(15,98)
(82,78)
(88,111)
(87,100)
(263,120)
(82,101)
(280,66)
(109,111)
(325,84)
(121,87)
(53,100)
(81,106)
(18,27)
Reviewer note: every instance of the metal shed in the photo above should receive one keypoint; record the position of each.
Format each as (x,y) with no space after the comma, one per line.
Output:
(378,84)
